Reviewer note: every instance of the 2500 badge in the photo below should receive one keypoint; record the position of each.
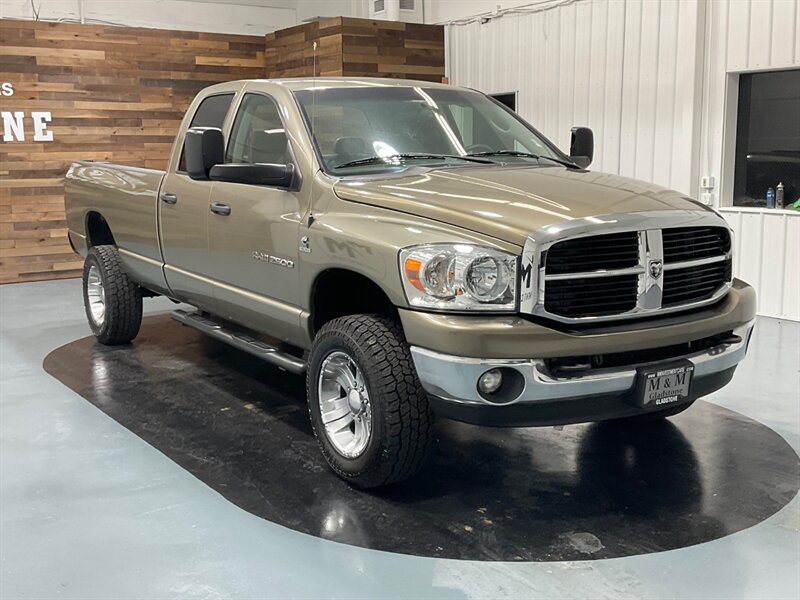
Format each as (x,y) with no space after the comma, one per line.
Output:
(273,260)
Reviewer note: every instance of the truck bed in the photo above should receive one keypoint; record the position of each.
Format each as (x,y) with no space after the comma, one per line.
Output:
(127,199)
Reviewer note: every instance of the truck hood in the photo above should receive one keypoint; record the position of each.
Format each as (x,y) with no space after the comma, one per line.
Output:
(509,202)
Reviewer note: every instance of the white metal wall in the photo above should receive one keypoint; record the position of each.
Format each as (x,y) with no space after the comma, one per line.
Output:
(742,36)
(656,81)
(442,11)
(251,17)
(625,69)
(766,255)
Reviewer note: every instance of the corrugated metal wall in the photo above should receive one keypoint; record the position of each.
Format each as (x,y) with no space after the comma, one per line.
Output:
(741,36)
(625,69)
(653,79)
(766,255)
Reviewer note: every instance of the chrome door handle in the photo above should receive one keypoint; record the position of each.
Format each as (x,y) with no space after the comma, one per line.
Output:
(168,198)
(219,208)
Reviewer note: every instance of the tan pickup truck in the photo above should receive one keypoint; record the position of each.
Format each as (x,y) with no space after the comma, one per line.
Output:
(414,249)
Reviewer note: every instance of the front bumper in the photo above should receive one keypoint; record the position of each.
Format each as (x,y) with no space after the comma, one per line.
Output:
(598,394)
(514,336)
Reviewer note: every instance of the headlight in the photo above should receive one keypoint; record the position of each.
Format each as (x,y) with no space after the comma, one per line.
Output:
(459,277)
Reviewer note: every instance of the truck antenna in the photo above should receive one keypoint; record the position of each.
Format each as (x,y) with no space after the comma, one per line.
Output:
(313,130)
(314,87)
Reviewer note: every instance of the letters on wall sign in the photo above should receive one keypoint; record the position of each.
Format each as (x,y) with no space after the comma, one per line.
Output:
(14,122)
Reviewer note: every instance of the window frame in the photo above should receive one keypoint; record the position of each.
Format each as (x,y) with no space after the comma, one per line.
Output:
(720,169)
(737,146)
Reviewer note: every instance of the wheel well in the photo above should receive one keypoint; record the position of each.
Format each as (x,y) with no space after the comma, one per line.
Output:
(98,233)
(339,292)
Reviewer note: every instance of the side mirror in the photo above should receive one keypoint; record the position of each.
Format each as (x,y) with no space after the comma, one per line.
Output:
(203,148)
(581,146)
(255,174)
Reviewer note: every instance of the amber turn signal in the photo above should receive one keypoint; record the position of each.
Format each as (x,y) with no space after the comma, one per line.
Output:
(412,268)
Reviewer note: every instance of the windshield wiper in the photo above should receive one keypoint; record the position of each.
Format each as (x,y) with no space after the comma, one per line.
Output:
(374,160)
(566,163)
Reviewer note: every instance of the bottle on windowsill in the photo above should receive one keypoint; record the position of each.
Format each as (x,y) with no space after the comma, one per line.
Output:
(779,196)
(771,198)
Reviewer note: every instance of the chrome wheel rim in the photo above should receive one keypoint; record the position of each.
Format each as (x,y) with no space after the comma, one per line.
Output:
(344,405)
(96,296)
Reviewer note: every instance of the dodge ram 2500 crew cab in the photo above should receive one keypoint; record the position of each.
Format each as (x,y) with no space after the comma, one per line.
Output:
(414,249)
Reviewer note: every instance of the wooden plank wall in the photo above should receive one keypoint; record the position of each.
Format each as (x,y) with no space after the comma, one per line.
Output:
(118,94)
(289,52)
(115,94)
(358,48)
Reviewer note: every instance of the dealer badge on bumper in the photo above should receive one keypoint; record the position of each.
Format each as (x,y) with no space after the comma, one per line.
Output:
(664,385)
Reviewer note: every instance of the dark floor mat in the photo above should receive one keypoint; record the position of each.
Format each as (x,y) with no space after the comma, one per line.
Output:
(578,492)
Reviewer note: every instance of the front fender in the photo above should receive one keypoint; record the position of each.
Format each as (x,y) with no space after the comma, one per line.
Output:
(367,240)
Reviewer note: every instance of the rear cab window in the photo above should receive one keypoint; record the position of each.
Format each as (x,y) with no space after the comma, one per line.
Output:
(211,113)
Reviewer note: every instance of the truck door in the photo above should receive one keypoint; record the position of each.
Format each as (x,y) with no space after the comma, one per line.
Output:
(253,229)
(184,216)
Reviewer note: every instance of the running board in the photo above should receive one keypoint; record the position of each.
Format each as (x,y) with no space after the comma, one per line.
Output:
(241,341)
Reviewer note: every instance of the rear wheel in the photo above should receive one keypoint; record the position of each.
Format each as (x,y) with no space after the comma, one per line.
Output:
(368,410)
(113,302)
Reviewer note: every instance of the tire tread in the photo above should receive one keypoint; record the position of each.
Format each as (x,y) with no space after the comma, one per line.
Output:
(408,418)
(123,298)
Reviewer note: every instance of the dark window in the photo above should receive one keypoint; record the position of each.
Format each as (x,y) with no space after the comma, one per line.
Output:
(210,113)
(767,138)
(509,100)
(258,135)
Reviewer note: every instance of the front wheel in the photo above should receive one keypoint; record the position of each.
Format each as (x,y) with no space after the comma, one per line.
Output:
(113,302)
(368,410)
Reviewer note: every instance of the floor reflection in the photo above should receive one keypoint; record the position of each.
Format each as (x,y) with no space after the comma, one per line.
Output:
(578,492)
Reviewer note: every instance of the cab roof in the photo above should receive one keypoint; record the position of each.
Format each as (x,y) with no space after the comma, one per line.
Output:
(306,83)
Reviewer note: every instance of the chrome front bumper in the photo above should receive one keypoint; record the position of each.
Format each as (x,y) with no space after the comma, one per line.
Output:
(453,379)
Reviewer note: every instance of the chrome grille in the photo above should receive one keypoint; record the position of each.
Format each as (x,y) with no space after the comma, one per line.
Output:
(628,272)
(599,252)
(592,297)
(691,284)
(693,243)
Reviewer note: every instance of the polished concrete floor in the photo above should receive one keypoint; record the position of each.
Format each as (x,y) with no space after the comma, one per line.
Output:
(88,509)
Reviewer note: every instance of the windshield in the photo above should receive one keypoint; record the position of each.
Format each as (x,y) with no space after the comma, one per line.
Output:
(415,125)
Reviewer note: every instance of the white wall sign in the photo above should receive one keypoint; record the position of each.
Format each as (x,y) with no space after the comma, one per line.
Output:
(14,122)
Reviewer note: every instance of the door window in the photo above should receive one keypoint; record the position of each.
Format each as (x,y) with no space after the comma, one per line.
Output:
(210,113)
(258,134)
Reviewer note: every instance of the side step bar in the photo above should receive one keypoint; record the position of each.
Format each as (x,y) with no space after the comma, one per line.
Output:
(241,341)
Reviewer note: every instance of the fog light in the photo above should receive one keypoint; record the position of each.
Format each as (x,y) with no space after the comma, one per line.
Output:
(490,382)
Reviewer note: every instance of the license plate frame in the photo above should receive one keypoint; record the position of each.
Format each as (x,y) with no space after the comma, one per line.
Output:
(663,385)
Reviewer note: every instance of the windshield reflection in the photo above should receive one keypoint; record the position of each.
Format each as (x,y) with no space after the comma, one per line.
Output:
(375,129)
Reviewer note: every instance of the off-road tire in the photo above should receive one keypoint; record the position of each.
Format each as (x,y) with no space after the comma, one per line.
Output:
(654,417)
(402,426)
(123,298)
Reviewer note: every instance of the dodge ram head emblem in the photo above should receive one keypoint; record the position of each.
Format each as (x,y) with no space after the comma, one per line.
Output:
(656,266)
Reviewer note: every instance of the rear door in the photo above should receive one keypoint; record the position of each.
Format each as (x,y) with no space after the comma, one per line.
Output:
(254,245)
(184,215)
